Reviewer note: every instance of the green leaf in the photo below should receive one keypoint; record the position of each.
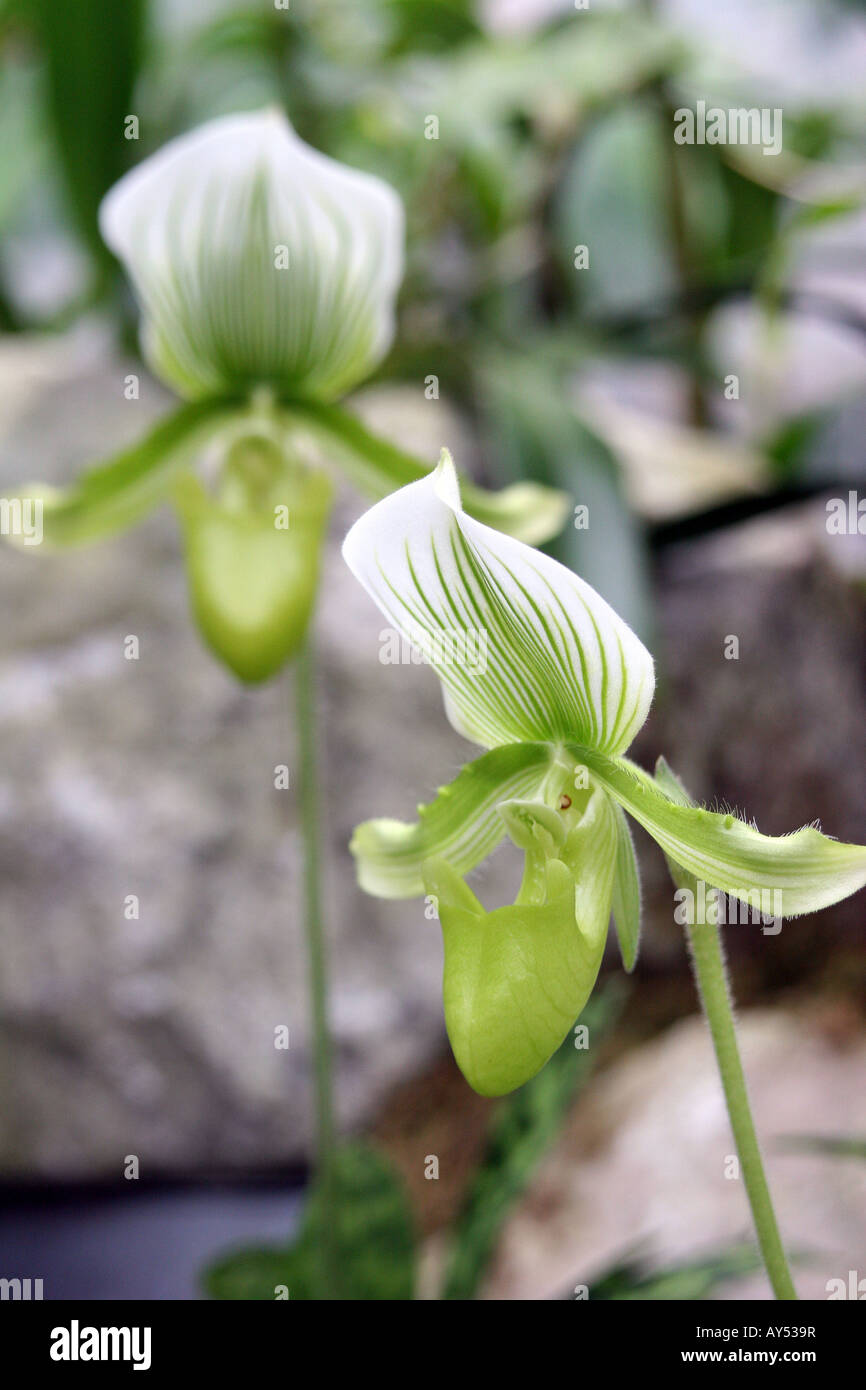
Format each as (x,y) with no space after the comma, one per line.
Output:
(526,511)
(795,443)
(830,1145)
(260,1274)
(114,495)
(372,1231)
(525,650)
(779,255)
(429,25)
(461,824)
(524,1128)
(626,893)
(516,978)
(807,870)
(22,136)
(93,51)
(687,1282)
(490,84)
(625,222)
(628,224)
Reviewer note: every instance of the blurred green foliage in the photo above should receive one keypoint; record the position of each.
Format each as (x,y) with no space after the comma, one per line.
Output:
(687,1282)
(92,52)
(509,151)
(827,1145)
(375,1239)
(372,1232)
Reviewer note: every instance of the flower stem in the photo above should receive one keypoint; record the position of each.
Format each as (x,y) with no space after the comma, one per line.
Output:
(709,962)
(311,829)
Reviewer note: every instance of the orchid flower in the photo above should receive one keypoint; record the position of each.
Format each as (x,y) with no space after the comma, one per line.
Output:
(562,690)
(267,276)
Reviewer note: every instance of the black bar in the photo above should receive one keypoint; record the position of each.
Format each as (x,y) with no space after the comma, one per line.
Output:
(618,1336)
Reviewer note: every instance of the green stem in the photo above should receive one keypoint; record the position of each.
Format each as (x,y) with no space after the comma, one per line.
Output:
(709,961)
(311,827)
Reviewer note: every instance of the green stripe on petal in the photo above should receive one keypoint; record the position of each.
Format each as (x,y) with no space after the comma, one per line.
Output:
(807,870)
(525,650)
(257,260)
(461,825)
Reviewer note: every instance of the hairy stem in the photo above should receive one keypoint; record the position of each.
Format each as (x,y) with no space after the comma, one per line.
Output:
(709,962)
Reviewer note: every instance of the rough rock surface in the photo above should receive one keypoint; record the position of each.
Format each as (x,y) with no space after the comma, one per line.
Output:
(641,1168)
(777,731)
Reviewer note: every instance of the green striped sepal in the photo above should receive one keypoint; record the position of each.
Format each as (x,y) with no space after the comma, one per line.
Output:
(525,650)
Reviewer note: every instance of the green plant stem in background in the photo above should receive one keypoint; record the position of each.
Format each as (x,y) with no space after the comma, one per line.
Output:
(709,962)
(311,827)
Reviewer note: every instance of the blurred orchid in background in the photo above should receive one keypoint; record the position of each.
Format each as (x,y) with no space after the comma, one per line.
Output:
(203,226)
(267,275)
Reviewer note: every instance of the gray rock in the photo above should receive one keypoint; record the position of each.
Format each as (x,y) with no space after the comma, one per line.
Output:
(155,777)
(642,1168)
(776,733)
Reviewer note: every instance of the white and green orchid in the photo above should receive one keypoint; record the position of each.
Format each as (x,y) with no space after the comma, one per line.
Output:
(561,693)
(267,275)
(257,260)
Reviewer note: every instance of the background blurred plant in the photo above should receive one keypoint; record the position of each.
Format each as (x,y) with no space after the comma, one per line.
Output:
(504,149)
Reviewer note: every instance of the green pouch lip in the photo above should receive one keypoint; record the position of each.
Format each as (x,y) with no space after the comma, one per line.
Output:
(516,978)
(253,586)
